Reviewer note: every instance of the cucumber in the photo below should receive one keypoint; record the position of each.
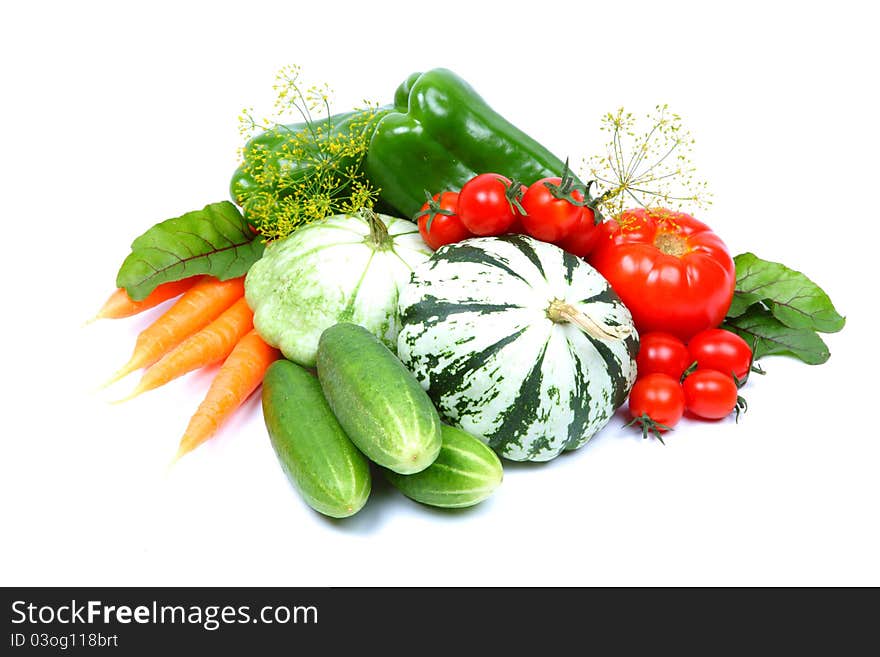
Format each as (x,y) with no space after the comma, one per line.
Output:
(318,458)
(465,473)
(378,402)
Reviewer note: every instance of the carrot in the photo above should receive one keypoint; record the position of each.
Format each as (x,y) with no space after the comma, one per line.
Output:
(210,345)
(198,307)
(236,379)
(121,305)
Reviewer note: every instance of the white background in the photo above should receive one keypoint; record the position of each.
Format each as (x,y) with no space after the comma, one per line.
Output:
(116,117)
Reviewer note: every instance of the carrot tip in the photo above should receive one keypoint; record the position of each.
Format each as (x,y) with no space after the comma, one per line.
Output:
(121,374)
(170,466)
(182,451)
(109,383)
(135,393)
(90,321)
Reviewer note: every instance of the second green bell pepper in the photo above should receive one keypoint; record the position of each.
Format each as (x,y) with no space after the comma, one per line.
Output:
(441,133)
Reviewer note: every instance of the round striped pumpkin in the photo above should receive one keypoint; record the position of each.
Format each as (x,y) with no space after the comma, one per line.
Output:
(519,343)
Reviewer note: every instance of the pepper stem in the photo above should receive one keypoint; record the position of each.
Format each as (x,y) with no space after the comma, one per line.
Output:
(378,230)
(560,311)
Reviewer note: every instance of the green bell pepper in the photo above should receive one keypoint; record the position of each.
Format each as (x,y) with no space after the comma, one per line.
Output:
(439,135)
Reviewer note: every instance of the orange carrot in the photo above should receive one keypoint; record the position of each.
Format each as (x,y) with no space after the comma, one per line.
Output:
(236,379)
(198,307)
(121,305)
(210,345)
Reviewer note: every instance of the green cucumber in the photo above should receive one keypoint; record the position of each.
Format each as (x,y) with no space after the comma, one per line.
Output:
(465,473)
(378,402)
(318,458)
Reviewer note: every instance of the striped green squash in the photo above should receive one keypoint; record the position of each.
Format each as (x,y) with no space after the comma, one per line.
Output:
(519,343)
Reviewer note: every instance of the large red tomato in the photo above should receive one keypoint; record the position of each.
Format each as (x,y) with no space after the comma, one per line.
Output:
(671,271)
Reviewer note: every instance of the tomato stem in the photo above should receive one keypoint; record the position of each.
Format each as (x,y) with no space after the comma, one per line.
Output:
(690,370)
(649,426)
(432,211)
(753,367)
(567,186)
(513,193)
(741,406)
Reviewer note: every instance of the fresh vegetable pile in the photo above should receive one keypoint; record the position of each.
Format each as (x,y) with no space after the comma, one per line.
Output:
(421,288)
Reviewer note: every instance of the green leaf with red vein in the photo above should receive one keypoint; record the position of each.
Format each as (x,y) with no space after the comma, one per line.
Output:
(215,240)
(792,298)
(767,336)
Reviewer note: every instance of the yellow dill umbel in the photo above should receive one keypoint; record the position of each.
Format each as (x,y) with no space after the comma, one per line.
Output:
(284,201)
(648,165)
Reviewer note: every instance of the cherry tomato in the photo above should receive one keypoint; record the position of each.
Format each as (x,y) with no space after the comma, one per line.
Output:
(662,353)
(583,237)
(485,205)
(549,217)
(710,394)
(717,349)
(656,402)
(516,228)
(446,226)
(672,272)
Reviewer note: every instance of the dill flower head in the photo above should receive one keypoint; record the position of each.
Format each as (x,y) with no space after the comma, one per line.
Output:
(300,172)
(649,166)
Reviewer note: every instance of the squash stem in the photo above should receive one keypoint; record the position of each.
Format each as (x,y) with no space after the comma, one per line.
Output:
(378,230)
(560,311)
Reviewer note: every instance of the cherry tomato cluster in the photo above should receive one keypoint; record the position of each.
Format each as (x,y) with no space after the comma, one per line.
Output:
(555,210)
(701,378)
